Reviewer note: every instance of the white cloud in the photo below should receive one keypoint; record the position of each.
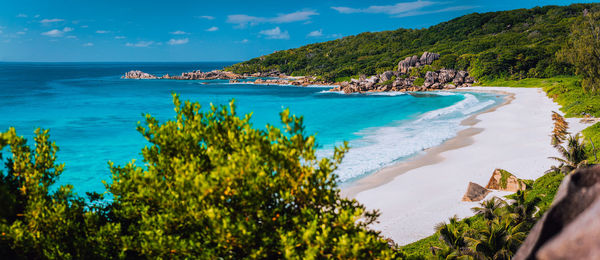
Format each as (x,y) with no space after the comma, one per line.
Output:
(140,44)
(54,20)
(294,17)
(178,32)
(84,26)
(243,20)
(120,37)
(212,29)
(57,33)
(207,17)
(37,16)
(178,41)
(21,32)
(22,15)
(89,44)
(71,37)
(102,31)
(318,33)
(401,9)
(275,33)
(243,41)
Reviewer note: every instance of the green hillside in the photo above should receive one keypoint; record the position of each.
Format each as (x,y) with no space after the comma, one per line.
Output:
(509,44)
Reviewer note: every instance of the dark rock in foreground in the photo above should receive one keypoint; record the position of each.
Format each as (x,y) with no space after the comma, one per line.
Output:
(571,227)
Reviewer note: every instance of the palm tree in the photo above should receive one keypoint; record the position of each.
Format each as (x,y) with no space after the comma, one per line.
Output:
(522,210)
(573,155)
(453,235)
(490,209)
(560,131)
(499,239)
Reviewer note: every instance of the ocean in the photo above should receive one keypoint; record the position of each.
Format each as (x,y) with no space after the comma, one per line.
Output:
(92,114)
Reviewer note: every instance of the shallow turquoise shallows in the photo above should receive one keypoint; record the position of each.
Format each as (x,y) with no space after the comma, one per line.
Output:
(92,114)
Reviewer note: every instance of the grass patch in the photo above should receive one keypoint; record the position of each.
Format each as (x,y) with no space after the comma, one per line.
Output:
(531,82)
(348,78)
(592,142)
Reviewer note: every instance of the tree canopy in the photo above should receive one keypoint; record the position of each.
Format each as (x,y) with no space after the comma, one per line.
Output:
(211,186)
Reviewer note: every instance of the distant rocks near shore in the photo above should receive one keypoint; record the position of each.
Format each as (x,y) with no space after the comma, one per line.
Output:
(194,75)
(295,81)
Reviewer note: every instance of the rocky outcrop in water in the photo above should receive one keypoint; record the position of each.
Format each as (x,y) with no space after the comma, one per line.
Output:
(194,75)
(570,228)
(199,75)
(138,74)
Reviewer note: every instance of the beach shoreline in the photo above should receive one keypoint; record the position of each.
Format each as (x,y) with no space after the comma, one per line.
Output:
(430,155)
(414,195)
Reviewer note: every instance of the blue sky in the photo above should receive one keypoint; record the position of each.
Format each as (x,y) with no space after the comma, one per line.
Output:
(132,30)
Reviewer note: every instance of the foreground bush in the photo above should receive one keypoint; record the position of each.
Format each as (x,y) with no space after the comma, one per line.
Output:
(211,186)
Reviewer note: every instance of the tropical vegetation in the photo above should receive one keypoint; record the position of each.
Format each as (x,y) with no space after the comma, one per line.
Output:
(212,186)
(513,44)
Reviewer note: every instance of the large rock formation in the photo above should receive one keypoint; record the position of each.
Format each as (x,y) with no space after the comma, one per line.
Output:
(571,227)
(397,81)
(138,74)
(194,75)
(427,58)
(475,192)
(505,181)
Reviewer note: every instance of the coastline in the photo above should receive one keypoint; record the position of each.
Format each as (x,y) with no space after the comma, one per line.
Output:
(414,195)
(430,155)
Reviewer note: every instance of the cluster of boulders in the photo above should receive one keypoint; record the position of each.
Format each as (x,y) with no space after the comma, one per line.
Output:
(194,75)
(138,74)
(447,78)
(298,81)
(215,74)
(397,81)
(400,80)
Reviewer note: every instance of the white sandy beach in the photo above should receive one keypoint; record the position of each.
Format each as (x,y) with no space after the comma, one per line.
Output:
(414,196)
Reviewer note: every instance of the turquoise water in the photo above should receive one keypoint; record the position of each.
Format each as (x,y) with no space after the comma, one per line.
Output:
(92,114)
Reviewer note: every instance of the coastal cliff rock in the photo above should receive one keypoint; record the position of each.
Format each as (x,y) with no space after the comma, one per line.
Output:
(475,192)
(427,58)
(505,181)
(138,74)
(570,228)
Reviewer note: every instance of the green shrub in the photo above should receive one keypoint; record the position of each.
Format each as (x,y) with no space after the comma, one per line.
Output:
(212,186)
(419,82)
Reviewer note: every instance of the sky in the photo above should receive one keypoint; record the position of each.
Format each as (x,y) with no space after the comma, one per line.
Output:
(178,30)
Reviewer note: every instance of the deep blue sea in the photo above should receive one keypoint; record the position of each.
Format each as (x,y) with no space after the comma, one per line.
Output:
(92,114)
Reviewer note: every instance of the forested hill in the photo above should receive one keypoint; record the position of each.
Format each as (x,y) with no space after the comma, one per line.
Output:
(508,44)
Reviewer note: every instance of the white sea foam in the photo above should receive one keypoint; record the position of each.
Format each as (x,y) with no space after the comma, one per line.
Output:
(383,146)
(460,107)
(330,92)
(388,93)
